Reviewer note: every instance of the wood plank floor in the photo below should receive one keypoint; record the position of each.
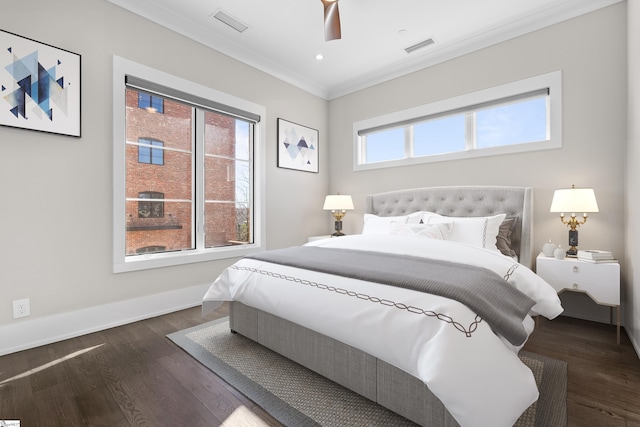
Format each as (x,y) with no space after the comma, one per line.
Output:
(134,376)
(603,387)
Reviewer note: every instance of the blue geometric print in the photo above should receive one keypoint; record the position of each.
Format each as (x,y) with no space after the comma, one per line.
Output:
(35,82)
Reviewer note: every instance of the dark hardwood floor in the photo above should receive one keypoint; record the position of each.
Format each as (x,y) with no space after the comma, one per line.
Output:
(126,376)
(134,376)
(603,388)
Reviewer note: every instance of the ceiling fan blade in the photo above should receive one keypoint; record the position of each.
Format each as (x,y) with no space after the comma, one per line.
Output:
(331,20)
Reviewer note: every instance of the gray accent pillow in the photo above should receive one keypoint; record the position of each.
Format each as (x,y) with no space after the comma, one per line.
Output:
(503,239)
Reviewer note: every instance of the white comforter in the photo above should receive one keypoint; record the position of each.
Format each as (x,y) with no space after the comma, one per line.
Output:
(479,378)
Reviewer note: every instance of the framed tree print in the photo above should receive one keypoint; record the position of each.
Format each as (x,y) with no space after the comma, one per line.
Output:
(297,147)
(39,86)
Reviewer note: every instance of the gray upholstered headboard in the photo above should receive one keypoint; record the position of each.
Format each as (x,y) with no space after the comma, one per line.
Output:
(465,201)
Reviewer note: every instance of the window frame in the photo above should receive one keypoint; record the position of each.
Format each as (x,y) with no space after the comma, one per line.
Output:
(121,263)
(551,81)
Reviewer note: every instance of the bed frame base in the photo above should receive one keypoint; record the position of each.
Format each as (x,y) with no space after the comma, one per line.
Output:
(352,368)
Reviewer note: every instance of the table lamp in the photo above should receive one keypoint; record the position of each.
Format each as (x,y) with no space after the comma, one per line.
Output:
(574,200)
(338,205)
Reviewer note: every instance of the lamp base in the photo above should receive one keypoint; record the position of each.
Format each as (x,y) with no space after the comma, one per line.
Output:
(573,242)
(338,228)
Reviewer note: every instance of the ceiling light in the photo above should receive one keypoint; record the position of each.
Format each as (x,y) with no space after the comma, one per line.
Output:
(319,57)
(419,45)
(224,17)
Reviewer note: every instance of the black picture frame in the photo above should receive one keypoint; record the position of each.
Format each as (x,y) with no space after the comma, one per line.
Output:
(40,86)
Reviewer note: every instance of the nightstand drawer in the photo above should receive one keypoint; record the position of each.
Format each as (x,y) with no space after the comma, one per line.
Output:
(600,281)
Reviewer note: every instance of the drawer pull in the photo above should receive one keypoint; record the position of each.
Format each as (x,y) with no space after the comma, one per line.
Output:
(575,286)
(575,268)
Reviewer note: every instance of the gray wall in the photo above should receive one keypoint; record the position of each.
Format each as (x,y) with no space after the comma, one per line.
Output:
(56,215)
(593,65)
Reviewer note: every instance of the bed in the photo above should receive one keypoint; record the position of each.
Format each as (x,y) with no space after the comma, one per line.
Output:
(428,357)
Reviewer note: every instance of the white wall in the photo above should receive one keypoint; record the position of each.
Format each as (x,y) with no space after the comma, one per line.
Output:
(591,52)
(631,292)
(56,214)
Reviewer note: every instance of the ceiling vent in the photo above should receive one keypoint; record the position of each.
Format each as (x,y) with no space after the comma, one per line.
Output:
(225,18)
(419,45)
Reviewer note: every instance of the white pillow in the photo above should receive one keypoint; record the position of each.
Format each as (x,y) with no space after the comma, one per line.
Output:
(426,214)
(477,231)
(374,224)
(432,231)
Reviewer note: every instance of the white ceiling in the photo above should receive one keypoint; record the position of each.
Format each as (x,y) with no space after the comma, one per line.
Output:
(284,36)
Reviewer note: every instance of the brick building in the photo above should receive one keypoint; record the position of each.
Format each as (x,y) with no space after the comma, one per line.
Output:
(160,182)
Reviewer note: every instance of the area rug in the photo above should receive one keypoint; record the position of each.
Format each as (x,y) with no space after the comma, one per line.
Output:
(297,397)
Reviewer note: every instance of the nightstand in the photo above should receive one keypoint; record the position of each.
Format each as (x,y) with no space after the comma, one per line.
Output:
(600,281)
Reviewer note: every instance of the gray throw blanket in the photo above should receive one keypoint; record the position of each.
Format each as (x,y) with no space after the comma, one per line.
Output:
(487,294)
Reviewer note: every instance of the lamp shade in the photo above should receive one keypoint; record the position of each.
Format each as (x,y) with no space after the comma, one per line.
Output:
(338,202)
(574,200)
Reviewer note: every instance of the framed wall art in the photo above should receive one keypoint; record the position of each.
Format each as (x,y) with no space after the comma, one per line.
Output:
(297,147)
(39,86)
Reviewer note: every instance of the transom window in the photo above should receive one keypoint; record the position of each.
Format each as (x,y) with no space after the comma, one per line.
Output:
(520,116)
(205,202)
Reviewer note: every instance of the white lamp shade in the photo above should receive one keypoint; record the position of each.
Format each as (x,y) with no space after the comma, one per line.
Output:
(574,200)
(338,202)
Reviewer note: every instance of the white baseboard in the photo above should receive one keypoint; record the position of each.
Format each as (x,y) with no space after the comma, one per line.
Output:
(29,333)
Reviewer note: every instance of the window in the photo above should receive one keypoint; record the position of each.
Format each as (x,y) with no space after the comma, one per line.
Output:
(150,204)
(520,116)
(150,103)
(149,151)
(205,202)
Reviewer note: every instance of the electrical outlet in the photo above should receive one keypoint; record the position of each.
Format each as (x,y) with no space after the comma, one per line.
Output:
(21,308)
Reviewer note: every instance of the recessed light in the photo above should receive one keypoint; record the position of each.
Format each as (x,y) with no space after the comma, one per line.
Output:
(319,57)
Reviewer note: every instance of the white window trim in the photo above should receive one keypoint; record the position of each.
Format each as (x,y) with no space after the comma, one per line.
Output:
(552,80)
(122,263)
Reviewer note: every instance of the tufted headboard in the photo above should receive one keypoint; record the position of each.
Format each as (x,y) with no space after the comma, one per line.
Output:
(465,201)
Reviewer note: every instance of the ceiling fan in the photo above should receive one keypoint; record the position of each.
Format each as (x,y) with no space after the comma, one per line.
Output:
(331,20)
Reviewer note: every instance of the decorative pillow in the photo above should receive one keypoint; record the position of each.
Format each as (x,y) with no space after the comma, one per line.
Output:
(477,231)
(503,239)
(374,224)
(433,231)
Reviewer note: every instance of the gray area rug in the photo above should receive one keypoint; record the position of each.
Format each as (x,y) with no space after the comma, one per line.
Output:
(296,396)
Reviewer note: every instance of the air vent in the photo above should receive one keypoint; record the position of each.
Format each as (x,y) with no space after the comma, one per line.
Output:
(419,45)
(225,18)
